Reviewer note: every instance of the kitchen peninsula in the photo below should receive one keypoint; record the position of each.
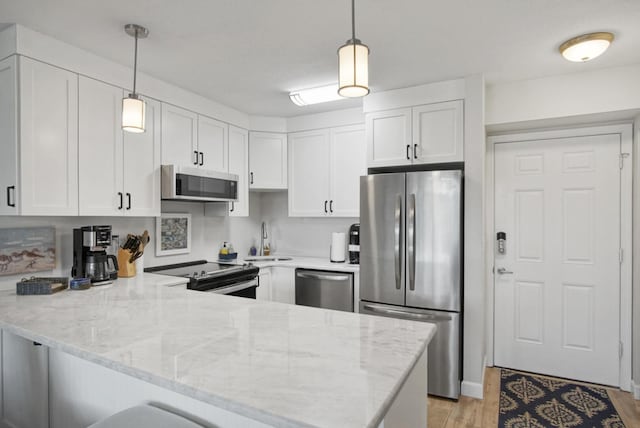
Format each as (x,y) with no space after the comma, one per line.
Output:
(225,361)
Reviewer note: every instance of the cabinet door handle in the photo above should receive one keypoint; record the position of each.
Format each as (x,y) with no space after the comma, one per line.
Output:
(415,151)
(331,206)
(11,190)
(128,201)
(121,200)
(408,149)
(201,158)
(233,206)
(251,178)
(325,206)
(195,162)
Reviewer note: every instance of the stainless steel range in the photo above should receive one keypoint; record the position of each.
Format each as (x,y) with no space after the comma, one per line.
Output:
(233,280)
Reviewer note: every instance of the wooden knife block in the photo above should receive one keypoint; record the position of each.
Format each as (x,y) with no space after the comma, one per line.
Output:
(125,269)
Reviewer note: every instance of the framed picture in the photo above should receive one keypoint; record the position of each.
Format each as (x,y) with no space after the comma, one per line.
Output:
(173,234)
(26,250)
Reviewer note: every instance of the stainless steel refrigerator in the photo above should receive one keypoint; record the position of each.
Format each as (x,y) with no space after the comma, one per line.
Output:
(411,260)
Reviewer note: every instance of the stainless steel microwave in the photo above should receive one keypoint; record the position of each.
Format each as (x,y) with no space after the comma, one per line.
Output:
(195,184)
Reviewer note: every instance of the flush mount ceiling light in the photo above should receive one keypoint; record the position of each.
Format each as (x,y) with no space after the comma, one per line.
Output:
(586,47)
(353,64)
(322,94)
(133,108)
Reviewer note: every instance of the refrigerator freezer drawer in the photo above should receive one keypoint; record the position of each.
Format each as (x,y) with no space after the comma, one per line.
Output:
(322,289)
(445,354)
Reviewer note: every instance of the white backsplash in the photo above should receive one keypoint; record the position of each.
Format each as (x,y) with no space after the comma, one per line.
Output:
(293,236)
(299,235)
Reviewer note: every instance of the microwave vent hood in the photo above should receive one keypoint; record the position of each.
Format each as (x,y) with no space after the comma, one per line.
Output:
(183,183)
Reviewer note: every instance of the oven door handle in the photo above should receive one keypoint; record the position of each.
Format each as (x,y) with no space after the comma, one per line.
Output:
(235,287)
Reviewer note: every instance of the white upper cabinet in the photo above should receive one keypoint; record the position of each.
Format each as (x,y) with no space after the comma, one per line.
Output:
(48,146)
(239,165)
(309,173)
(119,172)
(9,202)
(141,158)
(100,164)
(438,133)
(213,144)
(348,162)
(388,136)
(324,169)
(431,133)
(267,160)
(179,136)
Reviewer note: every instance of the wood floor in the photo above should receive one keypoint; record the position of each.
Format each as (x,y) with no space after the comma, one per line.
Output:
(474,413)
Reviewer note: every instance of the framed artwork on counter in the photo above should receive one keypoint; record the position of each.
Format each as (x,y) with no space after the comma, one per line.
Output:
(173,234)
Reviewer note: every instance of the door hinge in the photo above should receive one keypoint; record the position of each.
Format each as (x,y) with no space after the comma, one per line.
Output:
(622,156)
(620,255)
(620,350)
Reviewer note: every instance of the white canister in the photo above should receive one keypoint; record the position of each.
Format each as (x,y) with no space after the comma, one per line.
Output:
(338,244)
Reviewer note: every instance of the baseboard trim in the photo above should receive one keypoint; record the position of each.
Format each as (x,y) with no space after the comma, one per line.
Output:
(475,389)
(472,389)
(636,390)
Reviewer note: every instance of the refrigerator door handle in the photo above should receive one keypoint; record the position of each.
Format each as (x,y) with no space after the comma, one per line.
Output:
(412,241)
(398,234)
(407,315)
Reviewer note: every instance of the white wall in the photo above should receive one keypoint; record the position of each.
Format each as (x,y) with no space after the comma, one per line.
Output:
(296,235)
(595,92)
(635,357)
(208,232)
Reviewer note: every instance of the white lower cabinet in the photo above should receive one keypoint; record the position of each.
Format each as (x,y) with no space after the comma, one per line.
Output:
(25,383)
(263,292)
(283,288)
(324,172)
(239,165)
(119,172)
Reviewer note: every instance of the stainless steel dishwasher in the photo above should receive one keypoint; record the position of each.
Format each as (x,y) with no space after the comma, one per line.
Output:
(324,289)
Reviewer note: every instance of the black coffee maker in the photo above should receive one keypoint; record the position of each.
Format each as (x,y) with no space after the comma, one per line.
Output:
(90,258)
(354,244)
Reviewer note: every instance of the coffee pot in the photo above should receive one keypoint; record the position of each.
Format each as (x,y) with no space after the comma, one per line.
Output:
(100,267)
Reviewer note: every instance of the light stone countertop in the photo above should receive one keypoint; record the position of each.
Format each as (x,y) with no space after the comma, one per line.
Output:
(284,365)
(318,263)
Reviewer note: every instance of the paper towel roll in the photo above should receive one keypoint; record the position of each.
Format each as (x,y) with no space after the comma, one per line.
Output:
(337,247)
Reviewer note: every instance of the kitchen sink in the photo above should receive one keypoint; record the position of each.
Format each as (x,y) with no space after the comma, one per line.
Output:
(267,259)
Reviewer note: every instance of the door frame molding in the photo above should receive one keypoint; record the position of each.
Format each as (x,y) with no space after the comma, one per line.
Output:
(625,130)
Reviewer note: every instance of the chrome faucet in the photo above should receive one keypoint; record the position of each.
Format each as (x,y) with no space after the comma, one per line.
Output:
(263,236)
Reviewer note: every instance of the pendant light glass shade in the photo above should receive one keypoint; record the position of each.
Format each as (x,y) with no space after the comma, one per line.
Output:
(353,75)
(133,108)
(133,113)
(353,64)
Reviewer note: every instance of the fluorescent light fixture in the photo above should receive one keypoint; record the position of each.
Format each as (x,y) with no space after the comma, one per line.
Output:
(322,94)
(586,47)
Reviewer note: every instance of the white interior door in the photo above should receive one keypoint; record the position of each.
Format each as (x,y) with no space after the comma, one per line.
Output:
(557,302)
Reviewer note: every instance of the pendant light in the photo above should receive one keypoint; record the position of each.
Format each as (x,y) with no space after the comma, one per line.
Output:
(133,108)
(353,64)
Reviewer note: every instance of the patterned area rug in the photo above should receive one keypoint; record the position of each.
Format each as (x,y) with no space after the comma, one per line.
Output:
(529,401)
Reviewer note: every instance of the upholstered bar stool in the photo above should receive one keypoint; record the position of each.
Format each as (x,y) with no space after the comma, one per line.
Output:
(145,417)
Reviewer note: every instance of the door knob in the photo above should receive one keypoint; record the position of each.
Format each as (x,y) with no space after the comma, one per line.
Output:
(503,271)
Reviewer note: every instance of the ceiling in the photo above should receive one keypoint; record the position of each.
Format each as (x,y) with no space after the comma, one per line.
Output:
(248,54)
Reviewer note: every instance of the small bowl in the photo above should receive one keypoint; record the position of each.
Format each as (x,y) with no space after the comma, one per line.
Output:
(230,256)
